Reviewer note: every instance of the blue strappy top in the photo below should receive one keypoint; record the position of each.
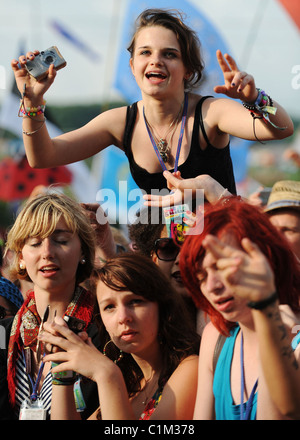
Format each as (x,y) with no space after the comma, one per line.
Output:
(225,408)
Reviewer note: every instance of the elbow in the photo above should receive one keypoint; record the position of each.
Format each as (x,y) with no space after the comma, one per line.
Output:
(291,410)
(293,414)
(287,131)
(35,164)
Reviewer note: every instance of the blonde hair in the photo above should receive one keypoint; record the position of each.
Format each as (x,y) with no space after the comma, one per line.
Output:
(39,217)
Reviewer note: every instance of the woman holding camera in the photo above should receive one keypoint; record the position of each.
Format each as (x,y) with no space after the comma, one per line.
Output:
(54,246)
(171,127)
(148,365)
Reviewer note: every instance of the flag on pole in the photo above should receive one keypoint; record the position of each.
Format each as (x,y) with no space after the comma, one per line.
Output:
(79,44)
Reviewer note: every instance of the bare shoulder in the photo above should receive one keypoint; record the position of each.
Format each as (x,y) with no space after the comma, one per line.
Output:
(110,123)
(210,333)
(208,343)
(188,368)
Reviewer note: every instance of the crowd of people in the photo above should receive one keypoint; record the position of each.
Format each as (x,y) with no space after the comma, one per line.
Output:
(165,324)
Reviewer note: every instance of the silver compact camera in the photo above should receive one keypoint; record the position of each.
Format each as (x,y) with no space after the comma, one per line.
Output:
(39,67)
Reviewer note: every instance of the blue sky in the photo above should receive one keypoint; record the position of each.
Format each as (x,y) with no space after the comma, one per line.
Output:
(258,33)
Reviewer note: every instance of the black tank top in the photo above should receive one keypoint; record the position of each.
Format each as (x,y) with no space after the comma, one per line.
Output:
(213,161)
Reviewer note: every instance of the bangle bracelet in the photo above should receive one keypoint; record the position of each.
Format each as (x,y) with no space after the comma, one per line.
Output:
(30,133)
(222,194)
(260,305)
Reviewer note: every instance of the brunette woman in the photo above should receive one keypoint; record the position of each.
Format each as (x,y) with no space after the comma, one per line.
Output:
(148,368)
(171,127)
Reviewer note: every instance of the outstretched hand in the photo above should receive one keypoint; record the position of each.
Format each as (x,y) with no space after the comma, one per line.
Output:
(246,271)
(237,84)
(183,190)
(34,89)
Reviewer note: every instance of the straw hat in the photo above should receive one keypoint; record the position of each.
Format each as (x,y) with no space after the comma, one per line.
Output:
(284,194)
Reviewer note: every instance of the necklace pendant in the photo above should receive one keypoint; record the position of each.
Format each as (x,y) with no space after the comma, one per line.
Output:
(163,149)
(164,156)
(162,145)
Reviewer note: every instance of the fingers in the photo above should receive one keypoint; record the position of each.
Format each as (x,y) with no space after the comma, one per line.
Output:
(226,62)
(251,248)
(59,334)
(241,80)
(222,62)
(217,248)
(28,57)
(159,201)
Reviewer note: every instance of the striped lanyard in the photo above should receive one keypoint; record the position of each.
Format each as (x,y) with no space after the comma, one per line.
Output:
(183,121)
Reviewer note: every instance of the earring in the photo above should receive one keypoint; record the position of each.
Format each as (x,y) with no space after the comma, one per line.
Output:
(120,352)
(82,261)
(22,266)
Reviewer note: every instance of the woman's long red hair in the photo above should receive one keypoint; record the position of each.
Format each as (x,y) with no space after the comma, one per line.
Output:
(243,220)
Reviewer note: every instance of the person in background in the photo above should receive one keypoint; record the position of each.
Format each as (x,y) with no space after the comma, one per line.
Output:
(53,245)
(239,271)
(283,209)
(11,298)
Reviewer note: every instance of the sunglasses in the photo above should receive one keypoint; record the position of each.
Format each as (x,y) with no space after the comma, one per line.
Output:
(166,249)
(4,312)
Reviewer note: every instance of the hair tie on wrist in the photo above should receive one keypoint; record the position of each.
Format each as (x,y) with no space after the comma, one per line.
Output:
(260,305)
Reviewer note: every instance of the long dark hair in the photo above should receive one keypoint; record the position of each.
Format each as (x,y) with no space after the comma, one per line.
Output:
(177,336)
(189,43)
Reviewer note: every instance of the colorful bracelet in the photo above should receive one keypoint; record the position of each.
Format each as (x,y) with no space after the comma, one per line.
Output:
(31,111)
(222,194)
(63,377)
(261,108)
(262,104)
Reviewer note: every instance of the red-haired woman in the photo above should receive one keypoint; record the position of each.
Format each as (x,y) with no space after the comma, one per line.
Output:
(241,272)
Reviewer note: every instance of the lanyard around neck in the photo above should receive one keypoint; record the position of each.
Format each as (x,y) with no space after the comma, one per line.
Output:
(183,121)
(34,385)
(246,415)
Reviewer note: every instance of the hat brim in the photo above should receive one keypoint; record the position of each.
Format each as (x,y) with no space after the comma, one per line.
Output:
(280,204)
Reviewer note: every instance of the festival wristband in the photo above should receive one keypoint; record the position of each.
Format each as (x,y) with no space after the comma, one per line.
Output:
(63,377)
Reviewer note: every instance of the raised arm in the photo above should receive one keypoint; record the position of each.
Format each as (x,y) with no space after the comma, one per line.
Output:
(233,118)
(42,151)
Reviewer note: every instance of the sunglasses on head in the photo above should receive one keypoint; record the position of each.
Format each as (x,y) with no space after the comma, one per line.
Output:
(166,249)
(4,312)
